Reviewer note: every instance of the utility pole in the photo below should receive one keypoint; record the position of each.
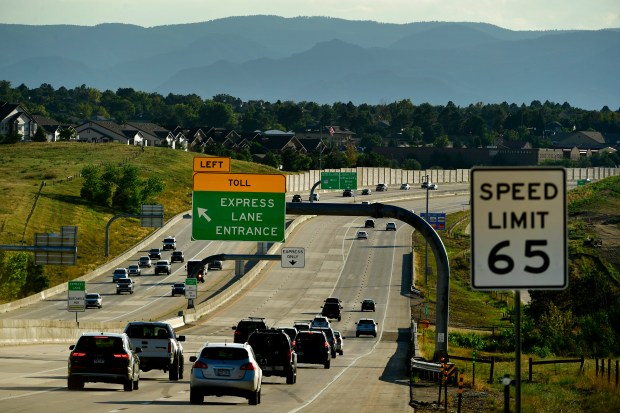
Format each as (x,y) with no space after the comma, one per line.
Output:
(426,179)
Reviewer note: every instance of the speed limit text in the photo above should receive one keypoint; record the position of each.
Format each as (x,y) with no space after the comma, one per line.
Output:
(518,191)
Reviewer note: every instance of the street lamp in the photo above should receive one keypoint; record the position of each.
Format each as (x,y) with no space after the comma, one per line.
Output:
(426,179)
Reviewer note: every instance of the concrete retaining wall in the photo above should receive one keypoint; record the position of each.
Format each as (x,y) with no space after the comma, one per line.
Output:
(63,331)
(369,177)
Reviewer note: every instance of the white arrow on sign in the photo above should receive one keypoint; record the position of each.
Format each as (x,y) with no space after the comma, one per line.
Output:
(202,212)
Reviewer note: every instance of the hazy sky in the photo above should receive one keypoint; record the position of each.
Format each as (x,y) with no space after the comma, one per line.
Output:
(509,14)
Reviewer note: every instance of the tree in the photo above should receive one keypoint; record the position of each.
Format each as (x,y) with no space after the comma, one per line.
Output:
(39,135)
(13,275)
(67,134)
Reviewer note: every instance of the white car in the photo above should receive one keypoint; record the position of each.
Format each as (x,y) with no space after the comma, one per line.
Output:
(405,187)
(362,235)
(433,186)
(339,340)
(225,369)
(320,321)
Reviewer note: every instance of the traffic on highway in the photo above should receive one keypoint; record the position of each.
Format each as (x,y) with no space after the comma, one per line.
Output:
(367,372)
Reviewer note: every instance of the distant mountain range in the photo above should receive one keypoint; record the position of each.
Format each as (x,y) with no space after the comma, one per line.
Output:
(322,60)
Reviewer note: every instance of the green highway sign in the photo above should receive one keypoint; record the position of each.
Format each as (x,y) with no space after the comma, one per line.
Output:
(348,180)
(77,285)
(239,207)
(338,180)
(330,180)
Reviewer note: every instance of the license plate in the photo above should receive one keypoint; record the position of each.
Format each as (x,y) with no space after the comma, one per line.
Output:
(99,361)
(222,372)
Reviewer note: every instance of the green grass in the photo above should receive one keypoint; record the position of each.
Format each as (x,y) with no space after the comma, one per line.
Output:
(555,388)
(26,166)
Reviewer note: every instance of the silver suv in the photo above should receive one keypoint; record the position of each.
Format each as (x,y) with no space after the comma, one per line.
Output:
(225,369)
(162,266)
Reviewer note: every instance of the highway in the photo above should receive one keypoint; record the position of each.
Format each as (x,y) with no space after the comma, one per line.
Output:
(371,374)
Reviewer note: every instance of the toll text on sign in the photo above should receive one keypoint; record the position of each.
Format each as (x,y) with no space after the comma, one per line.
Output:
(533,191)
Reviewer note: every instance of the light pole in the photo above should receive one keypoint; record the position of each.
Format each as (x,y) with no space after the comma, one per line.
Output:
(426,179)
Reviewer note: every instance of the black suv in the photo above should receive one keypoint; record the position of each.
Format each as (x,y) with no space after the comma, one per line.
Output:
(245,327)
(370,223)
(177,256)
(347,193)
(331,339)
(103,358)
(312,347)
(368,304)
(381,188)
(274,353)
(331,310)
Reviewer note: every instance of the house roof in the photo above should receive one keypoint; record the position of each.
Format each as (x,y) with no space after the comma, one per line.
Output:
(581,139)
(152,129)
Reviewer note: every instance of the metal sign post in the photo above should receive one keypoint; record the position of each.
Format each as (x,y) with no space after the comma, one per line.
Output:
(519,236)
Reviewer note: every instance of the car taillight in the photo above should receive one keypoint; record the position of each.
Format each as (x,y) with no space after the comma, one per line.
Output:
(121,356)
(248,366)
(200,365)
(326,344)
(78,354)
(169,347)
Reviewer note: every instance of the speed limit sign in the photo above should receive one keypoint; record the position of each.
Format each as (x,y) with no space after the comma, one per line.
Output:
(518,229)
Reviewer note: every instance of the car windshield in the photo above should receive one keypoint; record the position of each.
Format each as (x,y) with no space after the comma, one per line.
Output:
(92,296)
(366,322)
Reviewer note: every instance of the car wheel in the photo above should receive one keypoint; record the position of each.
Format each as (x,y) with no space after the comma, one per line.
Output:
(173,374)
(357,334)
(375,335)
(74,384)
(254,398)
(334,354)
(327,364)
(181,367)
(136,384)
(291,378)
(341,352)
(195,397)
(118,292)
(128,385)
(339,318)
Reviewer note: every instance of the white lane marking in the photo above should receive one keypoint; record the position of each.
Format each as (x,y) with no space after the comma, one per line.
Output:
(337,376)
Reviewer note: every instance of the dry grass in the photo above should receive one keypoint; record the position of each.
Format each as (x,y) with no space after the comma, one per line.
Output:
(25,211)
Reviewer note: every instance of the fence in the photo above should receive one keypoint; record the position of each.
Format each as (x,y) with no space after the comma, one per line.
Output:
(532,363)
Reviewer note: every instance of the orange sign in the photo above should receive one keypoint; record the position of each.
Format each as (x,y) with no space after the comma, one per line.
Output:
(211,164)
(239,182)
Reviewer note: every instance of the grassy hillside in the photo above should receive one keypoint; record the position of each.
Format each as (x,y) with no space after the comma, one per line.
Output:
(40,192)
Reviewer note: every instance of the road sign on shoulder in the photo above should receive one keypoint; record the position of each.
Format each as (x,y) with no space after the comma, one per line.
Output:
(191,288)
(293,257)
(518,229)
(76,295)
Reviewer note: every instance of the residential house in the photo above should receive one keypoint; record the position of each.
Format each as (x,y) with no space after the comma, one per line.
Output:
(51,127)
(108,131)
(15,120)
(155,135)
(578,144)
